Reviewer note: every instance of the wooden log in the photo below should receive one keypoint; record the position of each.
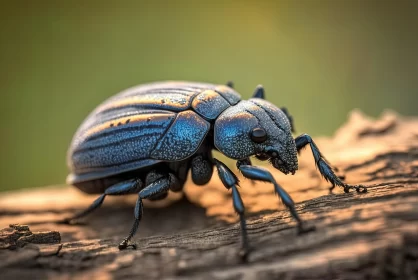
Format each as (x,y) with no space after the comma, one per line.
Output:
(358,236)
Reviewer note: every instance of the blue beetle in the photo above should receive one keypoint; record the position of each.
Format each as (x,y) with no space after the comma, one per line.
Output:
(145,140)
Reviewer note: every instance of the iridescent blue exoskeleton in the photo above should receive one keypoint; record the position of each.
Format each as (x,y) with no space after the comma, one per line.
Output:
(145,140)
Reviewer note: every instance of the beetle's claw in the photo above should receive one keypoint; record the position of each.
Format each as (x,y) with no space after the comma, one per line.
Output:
(243,254)
(347,189)
(125,244)
(361,189)
(358,188)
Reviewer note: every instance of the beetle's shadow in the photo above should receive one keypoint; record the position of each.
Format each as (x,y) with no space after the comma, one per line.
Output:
(115,220)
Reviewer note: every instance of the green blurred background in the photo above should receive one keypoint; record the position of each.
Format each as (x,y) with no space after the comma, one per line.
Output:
(321,59)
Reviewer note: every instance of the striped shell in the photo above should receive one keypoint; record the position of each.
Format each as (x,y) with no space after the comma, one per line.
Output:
(145,125)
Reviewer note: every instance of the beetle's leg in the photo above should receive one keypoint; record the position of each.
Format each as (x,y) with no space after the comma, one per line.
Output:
(138,216)
(289,117)
(246,161)
(323,166)
(159,196)
(259,92)
(230,84)
(231,181)
(299,148)
(176,185)
(125,187)
(202,170)
(261,174)
(155,188)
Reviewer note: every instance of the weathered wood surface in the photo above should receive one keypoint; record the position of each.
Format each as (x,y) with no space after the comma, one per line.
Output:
(358,236)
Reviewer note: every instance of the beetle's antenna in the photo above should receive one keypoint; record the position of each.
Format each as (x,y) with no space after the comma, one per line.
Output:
(259,92)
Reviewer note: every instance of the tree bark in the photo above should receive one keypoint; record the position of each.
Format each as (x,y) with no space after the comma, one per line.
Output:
(196,235)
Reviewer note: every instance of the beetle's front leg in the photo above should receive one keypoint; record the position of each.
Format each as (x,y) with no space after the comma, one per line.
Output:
(231,181)
(246,161)
(261,174)
(323,166)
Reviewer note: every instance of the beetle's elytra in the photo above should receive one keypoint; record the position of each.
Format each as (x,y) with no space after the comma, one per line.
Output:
(146,139)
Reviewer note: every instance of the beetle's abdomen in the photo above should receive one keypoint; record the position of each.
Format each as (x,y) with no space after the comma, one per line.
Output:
(144,125)
(118,143)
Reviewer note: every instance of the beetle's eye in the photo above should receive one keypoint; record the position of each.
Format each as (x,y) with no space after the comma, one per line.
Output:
(258,135)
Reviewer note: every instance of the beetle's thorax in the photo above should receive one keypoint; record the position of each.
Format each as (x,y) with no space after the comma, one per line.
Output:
(233,128)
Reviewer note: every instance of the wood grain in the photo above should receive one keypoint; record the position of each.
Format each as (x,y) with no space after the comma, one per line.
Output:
(195,236)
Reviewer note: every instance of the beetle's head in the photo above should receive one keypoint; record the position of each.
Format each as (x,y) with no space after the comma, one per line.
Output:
(257,128)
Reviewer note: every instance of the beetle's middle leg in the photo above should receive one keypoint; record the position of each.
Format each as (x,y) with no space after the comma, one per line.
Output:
(323,166)
(231,181)
(289,118)
(125,187)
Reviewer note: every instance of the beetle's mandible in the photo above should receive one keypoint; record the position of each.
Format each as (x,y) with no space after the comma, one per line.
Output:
(145,140)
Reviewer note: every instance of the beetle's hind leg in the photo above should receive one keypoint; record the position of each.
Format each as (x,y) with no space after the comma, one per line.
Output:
(125,187)
(157,184)
(324,168)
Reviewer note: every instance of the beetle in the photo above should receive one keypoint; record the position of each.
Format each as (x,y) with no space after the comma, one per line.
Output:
(147,138)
